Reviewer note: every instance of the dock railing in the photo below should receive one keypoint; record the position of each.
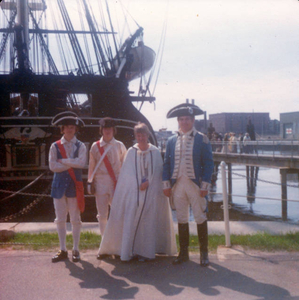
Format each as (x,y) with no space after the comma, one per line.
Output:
(282,155)
(260,147)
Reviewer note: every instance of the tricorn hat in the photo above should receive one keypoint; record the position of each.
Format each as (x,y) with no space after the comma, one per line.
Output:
(185,109)
(67,118)
(107,122)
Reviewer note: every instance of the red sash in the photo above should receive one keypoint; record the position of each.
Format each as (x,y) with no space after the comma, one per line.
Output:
(79,184)
(107,164)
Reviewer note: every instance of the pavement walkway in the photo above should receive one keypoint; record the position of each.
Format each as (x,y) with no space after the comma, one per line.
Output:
(214,227)
(233,273)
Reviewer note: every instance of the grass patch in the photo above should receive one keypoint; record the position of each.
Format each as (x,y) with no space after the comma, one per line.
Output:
(89,240)
(267,242)
(47,241)
(259,241)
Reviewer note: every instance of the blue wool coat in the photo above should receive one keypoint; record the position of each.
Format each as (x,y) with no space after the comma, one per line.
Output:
(62,181)
(202,159)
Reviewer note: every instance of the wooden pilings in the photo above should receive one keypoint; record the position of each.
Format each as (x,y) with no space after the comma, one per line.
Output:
(284,194)
(252,175)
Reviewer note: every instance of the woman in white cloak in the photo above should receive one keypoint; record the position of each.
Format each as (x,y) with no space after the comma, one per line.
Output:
(140,222)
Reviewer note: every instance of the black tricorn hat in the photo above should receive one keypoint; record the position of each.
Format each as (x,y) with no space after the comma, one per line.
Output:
(67,118)
(107,122)
(185,109)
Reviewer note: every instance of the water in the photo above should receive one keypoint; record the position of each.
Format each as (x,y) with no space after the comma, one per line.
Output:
(243,209)
(268,186)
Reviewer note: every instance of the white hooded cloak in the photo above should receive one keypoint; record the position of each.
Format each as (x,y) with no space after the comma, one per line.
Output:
(140,222)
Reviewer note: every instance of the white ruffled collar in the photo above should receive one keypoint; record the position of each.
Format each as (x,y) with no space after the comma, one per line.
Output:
(150,148)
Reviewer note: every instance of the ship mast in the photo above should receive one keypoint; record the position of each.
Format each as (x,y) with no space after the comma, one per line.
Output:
(21,42)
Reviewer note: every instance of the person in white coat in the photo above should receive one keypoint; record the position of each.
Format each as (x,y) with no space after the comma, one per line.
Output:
(106,175)
(140,223)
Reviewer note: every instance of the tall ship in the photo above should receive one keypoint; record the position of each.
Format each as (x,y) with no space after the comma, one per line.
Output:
(64,55)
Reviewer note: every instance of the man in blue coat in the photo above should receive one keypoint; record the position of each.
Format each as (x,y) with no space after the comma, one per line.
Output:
(187,171)
(67,157)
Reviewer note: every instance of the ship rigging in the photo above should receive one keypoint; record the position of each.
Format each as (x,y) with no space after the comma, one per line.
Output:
(67,55)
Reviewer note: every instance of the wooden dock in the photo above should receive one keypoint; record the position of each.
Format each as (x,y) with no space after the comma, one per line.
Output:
(287,164)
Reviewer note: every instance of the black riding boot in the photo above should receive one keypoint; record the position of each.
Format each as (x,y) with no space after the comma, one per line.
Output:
(184,244)
(202,231)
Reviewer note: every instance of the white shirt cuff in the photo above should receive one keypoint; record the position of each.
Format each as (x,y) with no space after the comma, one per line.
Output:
(204,186)
(166,185)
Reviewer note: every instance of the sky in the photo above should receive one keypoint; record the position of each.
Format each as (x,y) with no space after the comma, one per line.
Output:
(229,56)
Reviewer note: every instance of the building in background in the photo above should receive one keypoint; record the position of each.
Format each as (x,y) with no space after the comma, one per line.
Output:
(289,125)
(201,125)
(237,122)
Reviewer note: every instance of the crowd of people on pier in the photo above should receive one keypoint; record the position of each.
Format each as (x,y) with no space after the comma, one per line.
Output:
(231,143)
(134,189)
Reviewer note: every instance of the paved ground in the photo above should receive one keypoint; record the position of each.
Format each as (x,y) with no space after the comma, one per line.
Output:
(233,274)
(215,227)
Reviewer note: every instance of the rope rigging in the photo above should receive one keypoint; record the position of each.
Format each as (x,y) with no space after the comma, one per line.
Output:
(96,41)
(5,36)
(85,39)
(162,46)
(83,69)
(62,47)
(23,189)
(51,62)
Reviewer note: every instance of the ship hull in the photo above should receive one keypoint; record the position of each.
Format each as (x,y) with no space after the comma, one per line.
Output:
(25,140)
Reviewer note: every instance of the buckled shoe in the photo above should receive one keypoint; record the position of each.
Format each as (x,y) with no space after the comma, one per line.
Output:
(75,256)
(102,256)
(60,255)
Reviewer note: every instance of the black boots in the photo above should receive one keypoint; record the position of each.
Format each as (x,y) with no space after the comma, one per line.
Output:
(202,231)
(184,244)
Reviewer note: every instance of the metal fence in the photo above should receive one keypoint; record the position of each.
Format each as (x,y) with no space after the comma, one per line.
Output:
(273,148)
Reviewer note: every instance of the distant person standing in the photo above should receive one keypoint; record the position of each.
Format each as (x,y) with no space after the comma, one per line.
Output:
(112,152)
(211,130)
(240,139)
(187,172)
(246,145)
(251,131)
(225,142)
(233,143)
(67,157)
(216,141)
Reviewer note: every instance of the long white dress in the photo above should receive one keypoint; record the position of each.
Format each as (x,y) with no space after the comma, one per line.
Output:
(140,222)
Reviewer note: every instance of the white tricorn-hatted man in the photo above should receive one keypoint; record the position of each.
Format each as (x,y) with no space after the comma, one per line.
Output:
(187,171)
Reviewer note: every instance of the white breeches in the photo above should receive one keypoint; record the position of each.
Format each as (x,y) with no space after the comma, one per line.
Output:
(185,193)
(63,206)
(104,191)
